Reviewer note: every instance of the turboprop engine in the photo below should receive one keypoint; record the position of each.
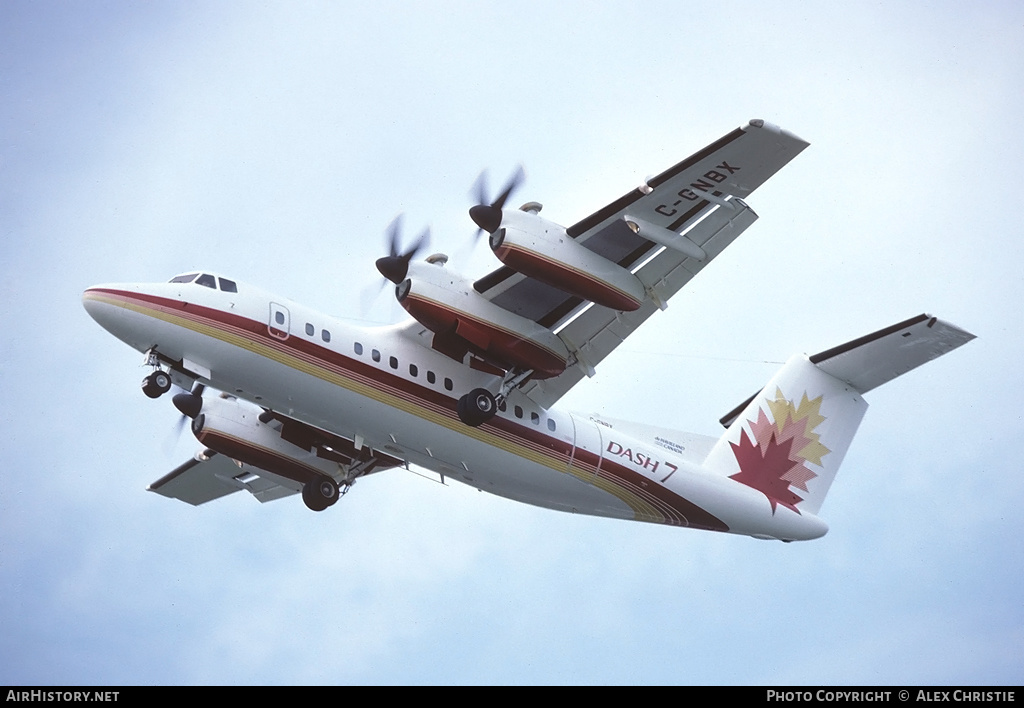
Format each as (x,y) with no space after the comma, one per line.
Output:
(543,250)
(238,431)
(446,304)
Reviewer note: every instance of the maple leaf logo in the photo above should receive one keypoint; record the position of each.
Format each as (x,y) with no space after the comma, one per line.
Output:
(775,459)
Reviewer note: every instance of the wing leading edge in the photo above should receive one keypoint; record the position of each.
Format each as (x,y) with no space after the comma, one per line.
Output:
(700,197)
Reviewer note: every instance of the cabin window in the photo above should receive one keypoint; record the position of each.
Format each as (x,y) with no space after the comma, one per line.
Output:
(413,370)
(375,355)
(206,280)
(393,361)
(431,378)
(359,348)
(184,278)
(448,385)
(325,335)
(310,329)
(279,317)
(518,411)
(535,418)
(503,406)
(551,424)
(228,286)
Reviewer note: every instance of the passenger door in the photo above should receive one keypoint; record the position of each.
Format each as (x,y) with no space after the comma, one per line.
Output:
(279,322)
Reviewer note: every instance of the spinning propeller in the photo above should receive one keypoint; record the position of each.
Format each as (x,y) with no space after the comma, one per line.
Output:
(395,266)
(488,215)
(189,403)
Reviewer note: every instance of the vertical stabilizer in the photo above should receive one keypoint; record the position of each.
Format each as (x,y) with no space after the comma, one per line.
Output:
(789,439)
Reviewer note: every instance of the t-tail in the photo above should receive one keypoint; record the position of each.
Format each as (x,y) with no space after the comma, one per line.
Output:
(788,440)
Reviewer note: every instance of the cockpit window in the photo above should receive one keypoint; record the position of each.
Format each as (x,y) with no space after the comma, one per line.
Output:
(207,280)
(228,286)
(184,278)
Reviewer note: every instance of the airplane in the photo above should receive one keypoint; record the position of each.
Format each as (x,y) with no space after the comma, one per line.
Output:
(467,387)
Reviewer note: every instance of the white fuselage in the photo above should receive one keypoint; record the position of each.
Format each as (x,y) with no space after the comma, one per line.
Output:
(382,388)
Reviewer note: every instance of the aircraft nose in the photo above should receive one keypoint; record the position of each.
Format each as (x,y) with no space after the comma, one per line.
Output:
(108,304)
(91,303)
(102,305)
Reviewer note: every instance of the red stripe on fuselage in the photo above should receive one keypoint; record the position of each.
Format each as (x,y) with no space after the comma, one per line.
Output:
(677,510)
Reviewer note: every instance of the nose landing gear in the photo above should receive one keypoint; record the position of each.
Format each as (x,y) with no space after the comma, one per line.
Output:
(159,382)
(156,384)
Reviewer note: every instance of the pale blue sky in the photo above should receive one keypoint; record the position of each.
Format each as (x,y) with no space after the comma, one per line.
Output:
(276,141)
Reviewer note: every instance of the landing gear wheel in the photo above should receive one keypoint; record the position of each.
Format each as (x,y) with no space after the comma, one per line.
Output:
(320,493)
(477,407)
(156,384)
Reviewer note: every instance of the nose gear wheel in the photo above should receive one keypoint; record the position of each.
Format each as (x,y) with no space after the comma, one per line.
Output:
(156,384)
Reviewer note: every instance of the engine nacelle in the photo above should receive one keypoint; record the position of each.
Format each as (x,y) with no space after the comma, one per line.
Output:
(447,304)
(235,430)
(540,249)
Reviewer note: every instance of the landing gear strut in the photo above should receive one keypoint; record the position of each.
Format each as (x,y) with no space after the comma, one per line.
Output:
(323,491)
(156,384)
(159,382)
(320,493)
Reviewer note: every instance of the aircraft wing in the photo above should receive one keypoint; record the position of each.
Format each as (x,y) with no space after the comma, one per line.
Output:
(209,476)
(292,451)
(701,197)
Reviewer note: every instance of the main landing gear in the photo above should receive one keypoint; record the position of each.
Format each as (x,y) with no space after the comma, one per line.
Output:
(323,491)
(320,493)
(479,405)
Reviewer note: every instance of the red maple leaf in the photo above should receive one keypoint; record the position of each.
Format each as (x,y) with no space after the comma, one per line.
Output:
(764,467)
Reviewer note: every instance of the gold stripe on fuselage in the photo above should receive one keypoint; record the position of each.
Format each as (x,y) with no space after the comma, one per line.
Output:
(642,508)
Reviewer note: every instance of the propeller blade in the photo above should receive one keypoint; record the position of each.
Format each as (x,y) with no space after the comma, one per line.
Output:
(369,295)
(422,243)
(171,441)
(394,234)
(395,266)
(478,193)
(513,183)
(185,402)
(486,214)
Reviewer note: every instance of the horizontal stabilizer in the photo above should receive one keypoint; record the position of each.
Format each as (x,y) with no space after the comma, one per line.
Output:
(788,440)
(872,360)
(210,476)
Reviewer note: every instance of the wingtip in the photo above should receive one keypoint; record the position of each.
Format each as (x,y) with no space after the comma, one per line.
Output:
(762,124)
(957,335)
